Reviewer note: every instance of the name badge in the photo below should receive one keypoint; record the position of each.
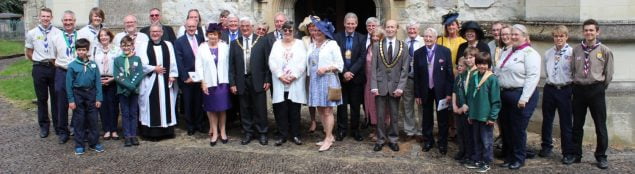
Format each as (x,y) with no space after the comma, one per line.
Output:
(93,66)
(599,55)
(135,63)
(348,54)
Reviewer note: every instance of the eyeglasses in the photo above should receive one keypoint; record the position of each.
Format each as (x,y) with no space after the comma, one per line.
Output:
(154,15)
(287,30)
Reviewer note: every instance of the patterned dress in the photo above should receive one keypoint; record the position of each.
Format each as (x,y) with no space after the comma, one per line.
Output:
(319,84)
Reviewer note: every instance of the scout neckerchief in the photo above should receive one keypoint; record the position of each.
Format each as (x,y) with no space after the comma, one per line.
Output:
(95,31)
(46,36)
(126,64)
(467,78)
(486,75)
(587,60)
(513,51)
(81,62)
(70,42)
(383,57)
(558,56)
(105,60)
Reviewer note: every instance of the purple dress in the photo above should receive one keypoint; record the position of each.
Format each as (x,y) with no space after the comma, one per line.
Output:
(218,99)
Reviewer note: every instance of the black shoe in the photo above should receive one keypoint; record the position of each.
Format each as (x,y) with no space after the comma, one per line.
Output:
(568,159)
(530,153)
(340,136)
(603,163)
(505,165)
(44,133)
(212,143)
(224,141)
(190,132)
(443,150)
(544,153)
(62,139)
(280,142)
(393,146)
(246,140)
(296,141)
(515,165)
(578,159)
(427,147)
(263,140)
(378,147)
(135,141)
(358,136)
(127,142)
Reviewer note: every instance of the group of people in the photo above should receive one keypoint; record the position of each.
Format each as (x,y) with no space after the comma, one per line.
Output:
(223,70)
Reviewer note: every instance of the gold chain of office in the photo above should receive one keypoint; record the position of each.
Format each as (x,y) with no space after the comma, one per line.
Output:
(383,57)
(252,43)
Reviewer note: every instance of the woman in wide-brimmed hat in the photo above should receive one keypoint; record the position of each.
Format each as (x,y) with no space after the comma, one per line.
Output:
(324,62)
(451,38)
(474,35)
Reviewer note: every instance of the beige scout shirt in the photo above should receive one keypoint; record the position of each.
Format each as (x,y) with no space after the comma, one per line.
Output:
(601,66)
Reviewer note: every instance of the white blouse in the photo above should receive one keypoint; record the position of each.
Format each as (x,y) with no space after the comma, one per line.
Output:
(105,59)
(521,70)
(288,61)
(210,72)
(329,55)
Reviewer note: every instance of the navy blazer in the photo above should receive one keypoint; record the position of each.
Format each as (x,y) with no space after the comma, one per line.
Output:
(358,56)
(184,55)
(442,76)
(259,64)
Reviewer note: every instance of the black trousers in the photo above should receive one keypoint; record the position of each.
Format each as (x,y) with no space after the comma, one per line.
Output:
(427,121)
(557,98)
(85,117)
(592,97)
(62,103)
(353,96)
(193,106)
(253,109)
(44,84)
(287,117)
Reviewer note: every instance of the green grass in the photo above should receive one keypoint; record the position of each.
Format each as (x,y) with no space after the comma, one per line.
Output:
(16,83)
(11,47)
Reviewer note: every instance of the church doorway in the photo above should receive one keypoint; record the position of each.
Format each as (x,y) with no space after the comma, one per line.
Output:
(335,10)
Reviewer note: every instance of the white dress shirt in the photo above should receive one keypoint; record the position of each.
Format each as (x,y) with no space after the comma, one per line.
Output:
(418,43)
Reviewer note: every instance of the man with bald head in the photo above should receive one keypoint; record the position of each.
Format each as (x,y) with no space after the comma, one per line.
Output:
(185,49)
(389,75)
(130,29)
(155,18)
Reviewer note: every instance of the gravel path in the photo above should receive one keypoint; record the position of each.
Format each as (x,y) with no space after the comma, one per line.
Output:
(22,151)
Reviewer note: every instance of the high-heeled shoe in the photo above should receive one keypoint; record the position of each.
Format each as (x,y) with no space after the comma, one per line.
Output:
(312,127)
(325,147)
(211,143)
(224,141)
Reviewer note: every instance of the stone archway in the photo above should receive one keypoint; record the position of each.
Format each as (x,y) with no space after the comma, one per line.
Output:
(288,7)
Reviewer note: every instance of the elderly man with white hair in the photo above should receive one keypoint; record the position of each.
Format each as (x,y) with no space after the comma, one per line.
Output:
(250,78)
(413,42)
(371,25)
(232,32)
(434,80)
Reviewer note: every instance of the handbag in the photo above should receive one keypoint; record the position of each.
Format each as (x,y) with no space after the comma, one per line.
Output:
(335,92)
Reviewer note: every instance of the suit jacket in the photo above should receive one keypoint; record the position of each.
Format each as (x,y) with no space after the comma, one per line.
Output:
(185,58)
(270,38)
(358,56)
(442,75)
(386,79)
(259,64)
(168,33)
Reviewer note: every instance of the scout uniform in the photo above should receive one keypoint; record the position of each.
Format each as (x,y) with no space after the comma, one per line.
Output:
(128,72)
(463,128)
(83,87)
(483,98)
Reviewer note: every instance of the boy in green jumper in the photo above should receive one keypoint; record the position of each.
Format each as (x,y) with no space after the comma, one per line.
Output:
(128,72)
(459,105)
(83,89)
(483,99)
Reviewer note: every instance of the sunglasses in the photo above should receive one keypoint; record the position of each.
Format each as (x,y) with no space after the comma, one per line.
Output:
(287,30)
(154,15)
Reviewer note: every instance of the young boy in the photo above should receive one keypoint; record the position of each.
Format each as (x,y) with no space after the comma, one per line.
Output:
(128,74)
(83,88)
(465,68)
(483,98)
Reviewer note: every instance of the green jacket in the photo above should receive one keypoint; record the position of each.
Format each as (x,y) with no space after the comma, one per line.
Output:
(460,88)
(128,83)
(483,97)
(82,74)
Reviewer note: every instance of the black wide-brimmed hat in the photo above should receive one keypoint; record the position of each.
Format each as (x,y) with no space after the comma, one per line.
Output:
(474,26)
(214,27)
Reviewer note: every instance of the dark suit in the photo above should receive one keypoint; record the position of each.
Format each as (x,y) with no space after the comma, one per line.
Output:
(233,112)
(253,102)
(443,80)
(352,94)
(192,94)
(168,33)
